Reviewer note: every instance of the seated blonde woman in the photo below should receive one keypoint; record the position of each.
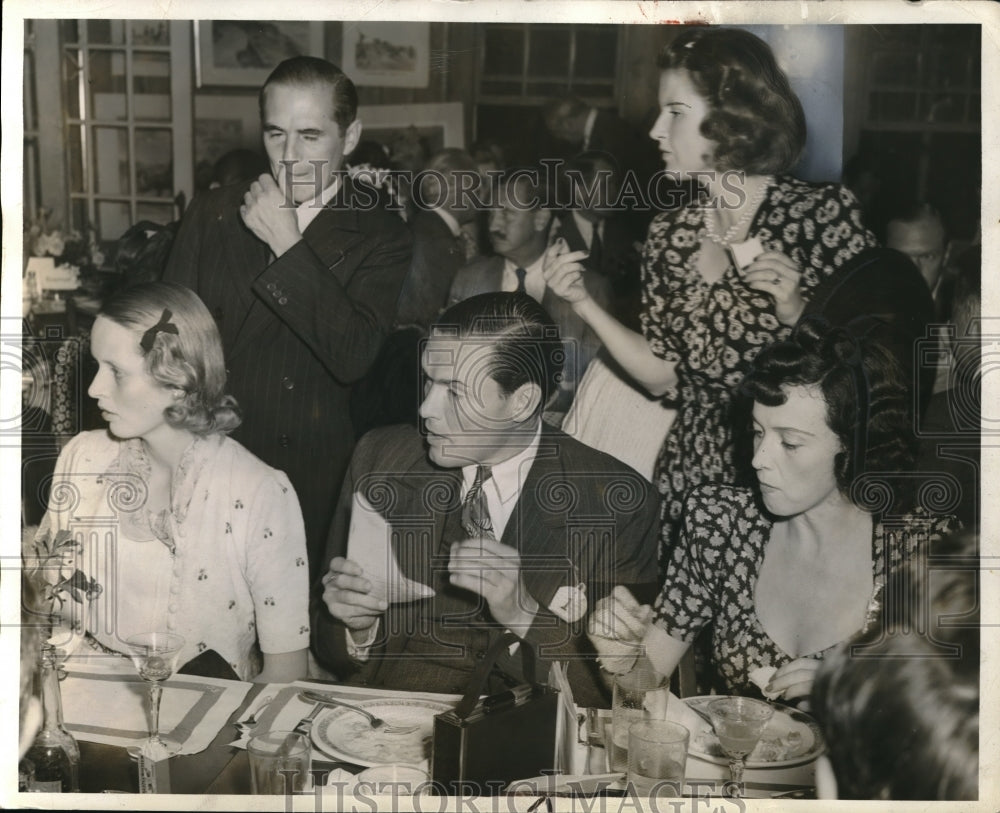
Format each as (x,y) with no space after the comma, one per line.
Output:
(178,528)
(783,572)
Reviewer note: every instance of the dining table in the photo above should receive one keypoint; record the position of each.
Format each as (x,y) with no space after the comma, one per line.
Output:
(214,719)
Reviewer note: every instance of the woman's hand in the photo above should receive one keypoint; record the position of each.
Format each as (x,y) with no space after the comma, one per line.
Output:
(778,274)
(563,272)
(616,628)
(794,679)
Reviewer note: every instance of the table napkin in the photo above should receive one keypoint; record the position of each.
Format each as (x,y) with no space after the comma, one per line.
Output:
(111,707)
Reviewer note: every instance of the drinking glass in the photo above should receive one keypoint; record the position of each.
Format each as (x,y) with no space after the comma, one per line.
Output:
(738,723)
(657,756)
(639,695)
(279,762)
(155,657)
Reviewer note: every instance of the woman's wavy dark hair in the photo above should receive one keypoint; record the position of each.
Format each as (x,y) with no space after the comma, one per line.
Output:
(867,401)
(755,118)
(189,360)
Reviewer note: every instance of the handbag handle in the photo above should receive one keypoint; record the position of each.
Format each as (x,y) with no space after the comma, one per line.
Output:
(481,675)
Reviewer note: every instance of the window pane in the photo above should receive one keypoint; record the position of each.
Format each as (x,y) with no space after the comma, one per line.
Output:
(547,88)
(72,78)
(893,106)
(111,160)
(78,215)
(950,70)
(158,213)
(151,85)
(150,32)
(549,52)
(504,51)
(939,108)
(106,32)
(500,88)
(112,219)
(594,90)
(154,165)
(74,149)
(107,84)
(69,30)
(596,51)
(30,113)
(896,69)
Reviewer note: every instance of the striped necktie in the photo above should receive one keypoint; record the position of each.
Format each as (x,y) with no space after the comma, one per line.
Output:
(475,511)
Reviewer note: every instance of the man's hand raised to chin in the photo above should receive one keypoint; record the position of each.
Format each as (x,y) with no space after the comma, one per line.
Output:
(270,216)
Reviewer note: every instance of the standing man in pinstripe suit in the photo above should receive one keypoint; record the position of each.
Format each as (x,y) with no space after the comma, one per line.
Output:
(302,271)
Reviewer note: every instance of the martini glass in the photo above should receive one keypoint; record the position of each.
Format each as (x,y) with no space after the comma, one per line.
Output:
(738,723)
(155,657)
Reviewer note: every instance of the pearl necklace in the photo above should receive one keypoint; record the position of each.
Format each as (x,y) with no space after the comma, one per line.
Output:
(749,209)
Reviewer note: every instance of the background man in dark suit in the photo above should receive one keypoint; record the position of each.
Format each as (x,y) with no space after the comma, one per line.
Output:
(519,231)
(581,127)
(301,271)
(445,203)
(513,524)
(611,237)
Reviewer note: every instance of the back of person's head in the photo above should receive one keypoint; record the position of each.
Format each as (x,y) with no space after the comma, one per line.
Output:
(308,71)
(528,187)
(755,118)
(448,181)
(559,109)
(369,153)
(867,405)
(594,178)
(142,251)
(238,166)
(182,349)
(899,704)
(526,347)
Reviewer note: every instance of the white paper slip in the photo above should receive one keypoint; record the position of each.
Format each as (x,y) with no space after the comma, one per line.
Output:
(746,252)
(369,544)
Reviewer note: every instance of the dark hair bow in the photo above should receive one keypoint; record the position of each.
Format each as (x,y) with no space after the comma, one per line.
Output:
(163,326)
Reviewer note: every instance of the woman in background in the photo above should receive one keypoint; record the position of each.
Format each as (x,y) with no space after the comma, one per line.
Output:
(720,281)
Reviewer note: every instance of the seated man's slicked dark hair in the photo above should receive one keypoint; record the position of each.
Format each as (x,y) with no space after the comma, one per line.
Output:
(525,339)
(755,118)
(302,71)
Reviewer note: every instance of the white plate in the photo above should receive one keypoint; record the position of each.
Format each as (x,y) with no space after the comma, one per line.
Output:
(790,738)
(349,737)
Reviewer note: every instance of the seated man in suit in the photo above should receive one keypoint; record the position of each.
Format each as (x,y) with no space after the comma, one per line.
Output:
(512,524)
(519,229)
(917,230)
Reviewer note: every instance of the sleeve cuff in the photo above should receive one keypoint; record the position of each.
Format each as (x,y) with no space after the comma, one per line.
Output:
(361,652)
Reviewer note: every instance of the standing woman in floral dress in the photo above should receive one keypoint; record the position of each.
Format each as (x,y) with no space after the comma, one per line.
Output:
(730,121)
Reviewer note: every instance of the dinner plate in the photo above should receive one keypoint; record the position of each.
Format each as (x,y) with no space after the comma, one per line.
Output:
(347,736)
(790,738)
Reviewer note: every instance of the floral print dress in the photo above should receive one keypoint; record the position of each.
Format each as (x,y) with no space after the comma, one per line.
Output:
(714,330)
(712,579)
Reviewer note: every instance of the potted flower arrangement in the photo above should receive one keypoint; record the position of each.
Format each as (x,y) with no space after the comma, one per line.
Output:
(63,254)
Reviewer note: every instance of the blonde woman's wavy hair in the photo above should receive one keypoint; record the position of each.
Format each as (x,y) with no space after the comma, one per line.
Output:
(182,349)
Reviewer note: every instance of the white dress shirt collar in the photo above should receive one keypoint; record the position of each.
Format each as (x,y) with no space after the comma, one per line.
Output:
(306,212)
(505,483)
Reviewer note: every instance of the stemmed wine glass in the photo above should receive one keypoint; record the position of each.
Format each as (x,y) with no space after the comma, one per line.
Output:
(738,723)
(155,657)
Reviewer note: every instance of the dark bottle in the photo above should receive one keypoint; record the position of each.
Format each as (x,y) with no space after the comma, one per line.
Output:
(54,754)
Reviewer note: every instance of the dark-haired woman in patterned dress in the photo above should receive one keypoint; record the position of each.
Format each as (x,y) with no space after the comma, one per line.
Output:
(730,121)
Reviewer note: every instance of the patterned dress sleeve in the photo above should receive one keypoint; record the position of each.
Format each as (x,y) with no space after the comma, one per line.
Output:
(276,567)
(824,229)
(691,593)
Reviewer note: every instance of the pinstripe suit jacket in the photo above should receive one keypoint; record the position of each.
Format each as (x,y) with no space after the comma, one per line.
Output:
(297,330)
(581,516)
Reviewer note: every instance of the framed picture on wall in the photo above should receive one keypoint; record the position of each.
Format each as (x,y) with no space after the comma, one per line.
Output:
(387,54)
(413,132)
(243,52)
(223,124)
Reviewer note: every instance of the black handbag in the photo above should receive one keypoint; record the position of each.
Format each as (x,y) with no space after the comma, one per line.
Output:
(481,746)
